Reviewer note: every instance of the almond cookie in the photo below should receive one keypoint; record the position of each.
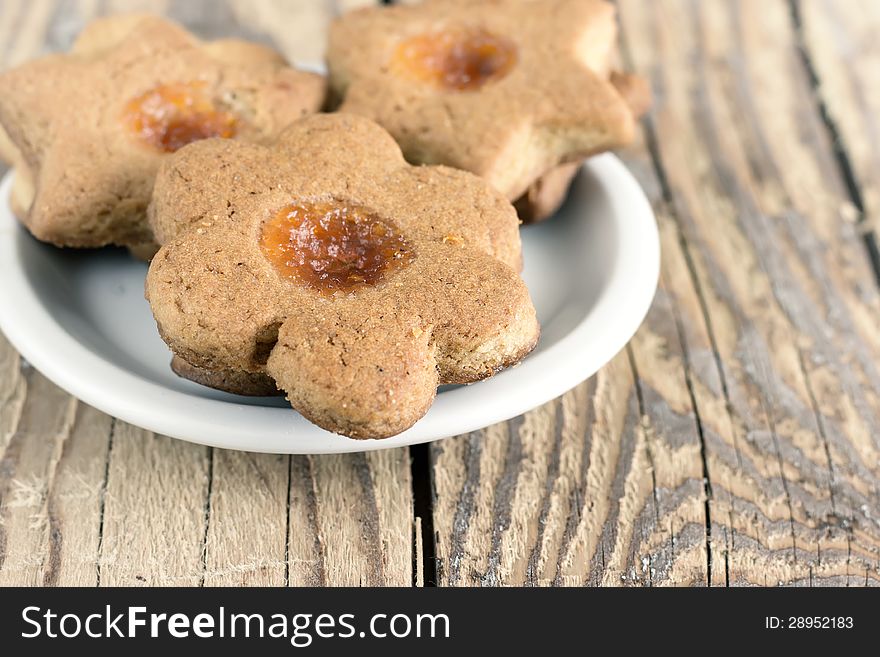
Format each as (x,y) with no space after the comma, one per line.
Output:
(355,281)
(506,89)
(87,130)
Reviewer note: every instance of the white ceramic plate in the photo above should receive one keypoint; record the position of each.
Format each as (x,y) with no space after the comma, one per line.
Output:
(80,318)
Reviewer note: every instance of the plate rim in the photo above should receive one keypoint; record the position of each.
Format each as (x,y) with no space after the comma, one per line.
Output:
(636,275)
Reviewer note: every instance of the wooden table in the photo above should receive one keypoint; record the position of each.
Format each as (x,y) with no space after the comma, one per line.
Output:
(735,441)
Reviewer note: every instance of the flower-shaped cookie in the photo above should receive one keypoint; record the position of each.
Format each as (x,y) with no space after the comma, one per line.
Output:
(357,282)
(87,130)
(506,89)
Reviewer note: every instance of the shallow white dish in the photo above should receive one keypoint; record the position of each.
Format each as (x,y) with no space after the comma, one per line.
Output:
(81,319)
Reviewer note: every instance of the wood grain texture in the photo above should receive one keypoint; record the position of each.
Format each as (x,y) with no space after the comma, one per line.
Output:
(351,518)
(29,540)
(88,500)
(745,448)
(246,541)
(839,40)
(154,515)
(785,286)
(570,494)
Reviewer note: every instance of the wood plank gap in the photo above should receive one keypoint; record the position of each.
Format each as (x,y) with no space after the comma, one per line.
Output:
(844,162)
(103,501)
(727,562)
(423,510)
(418,554)
(208,516)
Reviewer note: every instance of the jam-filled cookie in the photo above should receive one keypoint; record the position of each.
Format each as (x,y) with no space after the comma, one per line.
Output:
(87,130)
(506,89)
(356,282)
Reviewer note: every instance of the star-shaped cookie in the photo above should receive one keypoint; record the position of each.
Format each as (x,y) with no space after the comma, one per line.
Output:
(506,89)
(546,194)
(355,281)
(87,130)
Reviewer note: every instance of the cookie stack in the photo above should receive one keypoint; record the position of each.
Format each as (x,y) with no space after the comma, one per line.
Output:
(353,260)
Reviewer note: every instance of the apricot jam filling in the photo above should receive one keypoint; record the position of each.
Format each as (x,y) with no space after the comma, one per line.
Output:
(333,246)
(455,59)
(171,116)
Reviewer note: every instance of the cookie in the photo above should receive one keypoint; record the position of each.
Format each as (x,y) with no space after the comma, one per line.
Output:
(22,183)
(635,91)
(87,130)
(355,281)
(545,196)
(237,382)
(506,89)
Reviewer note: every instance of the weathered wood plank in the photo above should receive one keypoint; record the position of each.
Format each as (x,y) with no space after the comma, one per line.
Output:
(28,471)
(785,286)
(351,520)
(246,542)
(155,510)
(682,398)
(75,502)
(571,494)
(12,392)
(675,547)
(51,485)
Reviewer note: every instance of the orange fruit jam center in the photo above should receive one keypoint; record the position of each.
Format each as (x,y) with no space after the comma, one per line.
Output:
(333,246)
(171,116)
(459,59)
